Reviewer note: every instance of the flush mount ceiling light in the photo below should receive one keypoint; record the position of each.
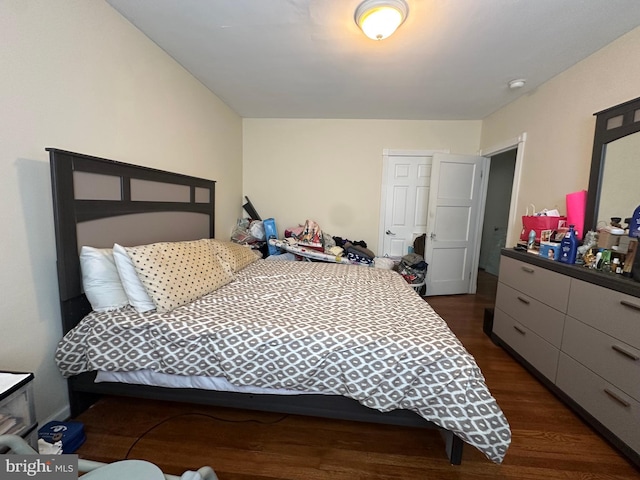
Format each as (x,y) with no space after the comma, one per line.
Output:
(378,19)
(515,84)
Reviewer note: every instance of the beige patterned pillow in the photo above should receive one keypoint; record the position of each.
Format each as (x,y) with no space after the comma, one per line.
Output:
(176,273)
(236,255)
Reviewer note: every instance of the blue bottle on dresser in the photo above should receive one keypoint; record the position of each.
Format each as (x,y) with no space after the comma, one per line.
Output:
(569,247)
(634,226)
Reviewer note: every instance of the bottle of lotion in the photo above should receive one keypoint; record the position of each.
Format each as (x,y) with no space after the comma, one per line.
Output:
(569,247)
(634,226)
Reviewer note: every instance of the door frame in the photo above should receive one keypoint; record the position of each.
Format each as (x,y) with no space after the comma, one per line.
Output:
(518,143)
(386,153)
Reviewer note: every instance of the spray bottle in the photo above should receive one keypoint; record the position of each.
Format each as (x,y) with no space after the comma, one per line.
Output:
(532,240)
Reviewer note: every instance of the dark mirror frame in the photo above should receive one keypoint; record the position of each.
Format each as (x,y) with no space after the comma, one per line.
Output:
(611,124)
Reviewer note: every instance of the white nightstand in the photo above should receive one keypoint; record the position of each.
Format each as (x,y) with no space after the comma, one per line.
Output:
(17,409)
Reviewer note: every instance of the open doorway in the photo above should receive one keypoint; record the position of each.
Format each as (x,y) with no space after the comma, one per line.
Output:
(497,207)
(503,187)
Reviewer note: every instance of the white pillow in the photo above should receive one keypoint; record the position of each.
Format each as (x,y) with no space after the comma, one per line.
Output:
(100,279)
(133,287)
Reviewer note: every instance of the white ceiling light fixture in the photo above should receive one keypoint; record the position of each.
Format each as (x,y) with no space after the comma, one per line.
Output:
(378,19)
(515,84)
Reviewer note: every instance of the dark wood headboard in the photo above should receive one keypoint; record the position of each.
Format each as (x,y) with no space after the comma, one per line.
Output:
(98,202)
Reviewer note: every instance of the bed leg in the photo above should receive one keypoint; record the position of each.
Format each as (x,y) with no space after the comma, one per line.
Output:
(80,401)
(453,446)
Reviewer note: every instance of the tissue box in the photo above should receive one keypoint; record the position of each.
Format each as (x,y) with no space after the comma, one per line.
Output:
(71,434)
(607,240)
(550,250)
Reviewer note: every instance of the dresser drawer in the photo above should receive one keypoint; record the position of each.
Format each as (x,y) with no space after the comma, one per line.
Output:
(533,348)
(544,285)
(536,316)
(598,397)
(611,312)
(613,360)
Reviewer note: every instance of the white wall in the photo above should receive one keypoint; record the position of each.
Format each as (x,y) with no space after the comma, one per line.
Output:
(330,171)
(77,76)
(558,118)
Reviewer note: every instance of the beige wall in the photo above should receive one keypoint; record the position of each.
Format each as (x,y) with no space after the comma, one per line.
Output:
(77,76)
(330,171)
(558,118)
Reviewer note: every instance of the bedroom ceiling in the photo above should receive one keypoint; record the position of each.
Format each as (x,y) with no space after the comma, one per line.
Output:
(451,59)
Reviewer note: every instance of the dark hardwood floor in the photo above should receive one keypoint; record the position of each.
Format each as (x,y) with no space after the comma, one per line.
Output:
(549,441)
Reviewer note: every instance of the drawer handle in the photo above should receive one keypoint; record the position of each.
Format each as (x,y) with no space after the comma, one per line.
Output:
(630,305)
(524,300)
(621,401)
(528,270)
(519,330)
(625,352)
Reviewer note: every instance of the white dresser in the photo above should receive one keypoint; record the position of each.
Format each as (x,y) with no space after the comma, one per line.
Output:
(579,332)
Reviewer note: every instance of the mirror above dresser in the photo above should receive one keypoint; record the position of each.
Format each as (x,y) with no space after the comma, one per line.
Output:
(615,165)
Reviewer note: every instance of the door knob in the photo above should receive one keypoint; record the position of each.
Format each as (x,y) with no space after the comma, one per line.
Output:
(432,236)
(389,232)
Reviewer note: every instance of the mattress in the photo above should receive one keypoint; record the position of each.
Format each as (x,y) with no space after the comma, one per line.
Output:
(312,327)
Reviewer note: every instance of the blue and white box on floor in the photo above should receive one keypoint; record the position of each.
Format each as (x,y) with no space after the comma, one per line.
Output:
(270,231)
(71,434)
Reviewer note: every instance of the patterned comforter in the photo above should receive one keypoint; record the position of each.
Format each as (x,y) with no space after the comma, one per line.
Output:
(339,329)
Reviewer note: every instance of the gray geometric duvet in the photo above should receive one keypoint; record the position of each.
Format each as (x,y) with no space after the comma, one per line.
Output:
(320,327)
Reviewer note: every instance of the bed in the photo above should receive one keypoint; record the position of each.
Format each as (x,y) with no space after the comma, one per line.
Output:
(310,338)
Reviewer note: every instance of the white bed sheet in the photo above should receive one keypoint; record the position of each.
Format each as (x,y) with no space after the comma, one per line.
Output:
(219,384)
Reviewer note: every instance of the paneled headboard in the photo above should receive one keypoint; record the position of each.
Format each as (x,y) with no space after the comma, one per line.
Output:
(98,202)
